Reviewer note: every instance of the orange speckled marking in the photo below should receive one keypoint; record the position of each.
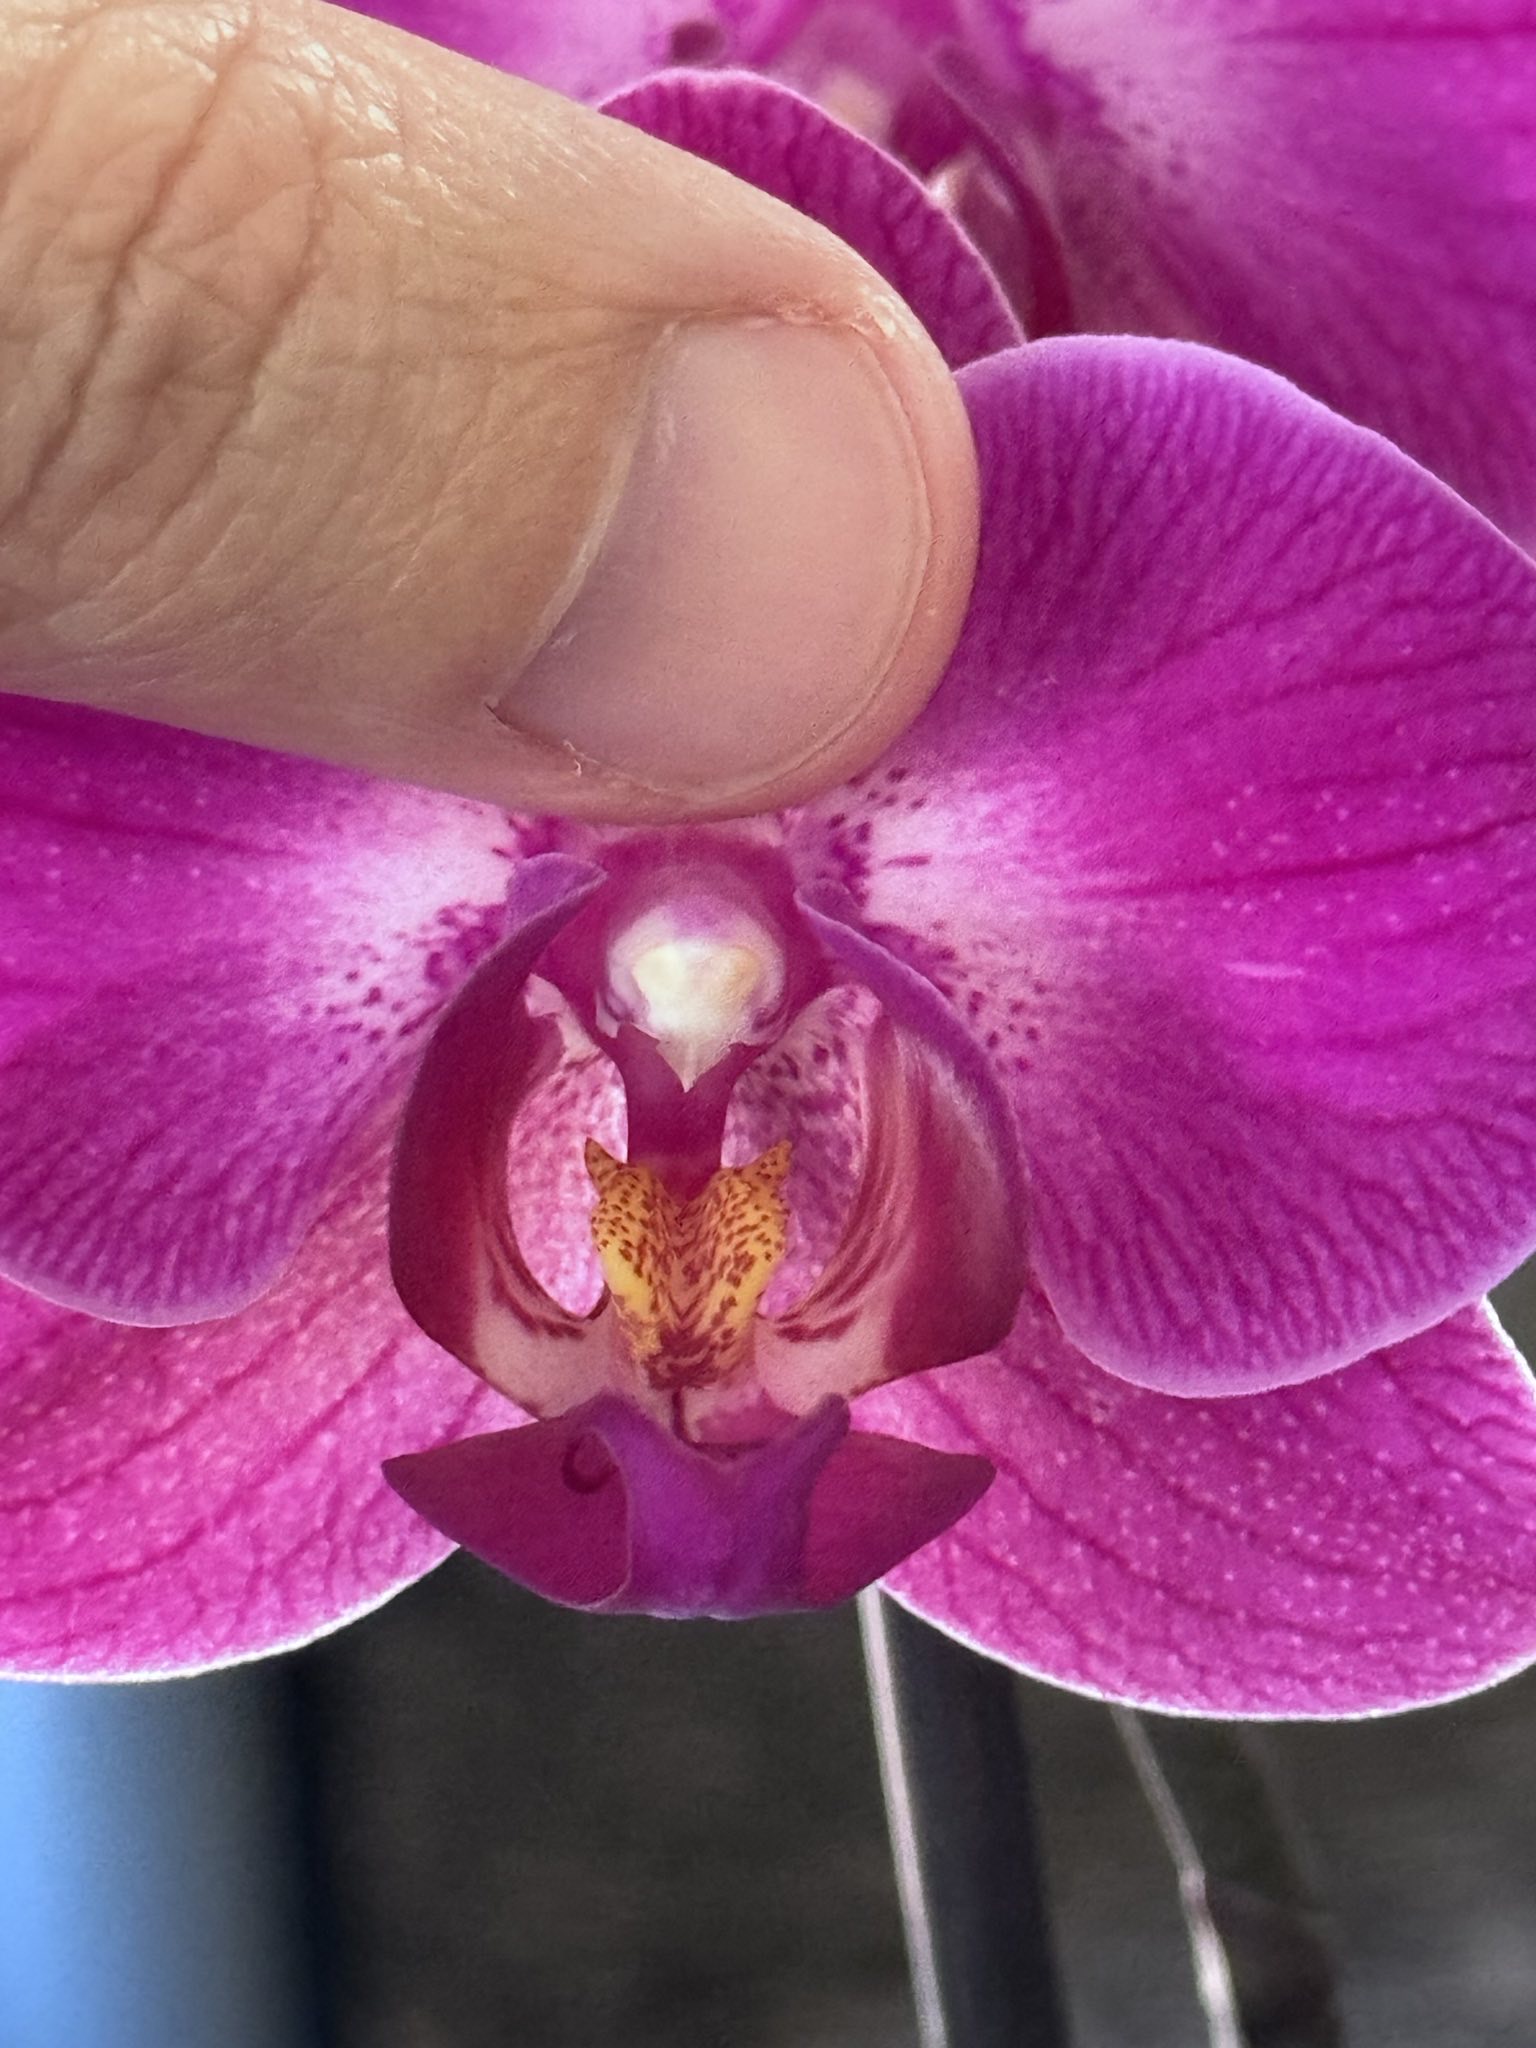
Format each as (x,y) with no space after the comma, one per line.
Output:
(686,1277)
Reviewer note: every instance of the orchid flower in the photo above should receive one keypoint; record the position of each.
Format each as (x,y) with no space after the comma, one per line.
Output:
(1343,190)
(1054,1173)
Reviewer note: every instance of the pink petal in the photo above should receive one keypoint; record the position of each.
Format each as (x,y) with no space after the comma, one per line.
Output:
(172,1499)
(456,1261)
(583,48)
(601,1508)
(1364,1543)
(1346,192)
(931,1261)
(550,1196)
(782,143)
(1220,834)
(809,1087)
(822,44)
(213,961)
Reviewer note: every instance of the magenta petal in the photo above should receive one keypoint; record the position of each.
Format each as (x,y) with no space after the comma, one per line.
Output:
(172,1499)
(212,961)
(550,1196)
(809,1087)
(1346,192)
(583,48)
(931,1261)
(453,1252)
(869,49)
(780,142)
(1221,835)
(1363,1543)
(603,1508)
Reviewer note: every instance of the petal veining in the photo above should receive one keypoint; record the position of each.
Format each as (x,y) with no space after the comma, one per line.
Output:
(175,1499)
(1360,1544)
(1221,832)
(213,960)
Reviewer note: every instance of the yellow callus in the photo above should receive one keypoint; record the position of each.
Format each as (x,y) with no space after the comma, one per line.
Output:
(685,1278)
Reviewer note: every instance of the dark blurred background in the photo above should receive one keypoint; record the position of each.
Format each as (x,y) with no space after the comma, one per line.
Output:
(475,1821)
(561,1833)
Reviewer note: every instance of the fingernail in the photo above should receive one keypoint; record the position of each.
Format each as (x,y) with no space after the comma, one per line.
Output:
(758,577)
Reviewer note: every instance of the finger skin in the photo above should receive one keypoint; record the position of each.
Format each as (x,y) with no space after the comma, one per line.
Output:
(322,352)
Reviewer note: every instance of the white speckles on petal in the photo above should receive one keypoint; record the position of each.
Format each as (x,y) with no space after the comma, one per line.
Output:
(1364,1543)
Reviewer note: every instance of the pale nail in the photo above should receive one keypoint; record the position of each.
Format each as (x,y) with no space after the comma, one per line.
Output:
(757,579)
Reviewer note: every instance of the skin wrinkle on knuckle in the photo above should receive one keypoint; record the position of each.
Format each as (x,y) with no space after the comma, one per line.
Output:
(322,360)
(278,364)
(161,223)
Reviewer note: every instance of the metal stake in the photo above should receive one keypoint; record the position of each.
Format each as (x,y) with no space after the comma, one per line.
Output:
(957,1794)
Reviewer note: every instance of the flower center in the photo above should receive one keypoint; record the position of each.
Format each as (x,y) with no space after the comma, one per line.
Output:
(686,1277)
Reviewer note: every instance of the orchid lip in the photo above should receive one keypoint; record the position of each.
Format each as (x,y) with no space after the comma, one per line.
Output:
(600,1508)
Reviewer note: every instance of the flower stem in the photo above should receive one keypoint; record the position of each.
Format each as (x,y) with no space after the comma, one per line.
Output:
(957,1795)
(1262,1964)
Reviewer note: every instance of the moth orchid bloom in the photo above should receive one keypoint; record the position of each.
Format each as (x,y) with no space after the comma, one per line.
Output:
(1126,1088)
(1344,190)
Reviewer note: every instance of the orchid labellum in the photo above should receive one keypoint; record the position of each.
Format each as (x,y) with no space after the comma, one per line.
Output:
(1054,1174)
